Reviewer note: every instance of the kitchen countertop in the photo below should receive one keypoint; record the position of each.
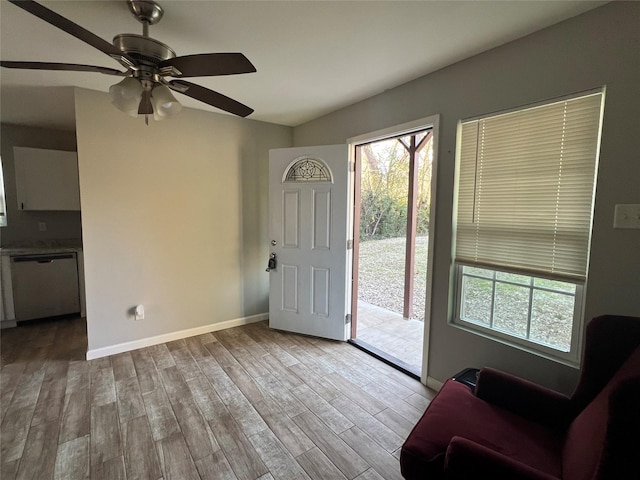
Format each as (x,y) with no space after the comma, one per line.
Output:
(42,247)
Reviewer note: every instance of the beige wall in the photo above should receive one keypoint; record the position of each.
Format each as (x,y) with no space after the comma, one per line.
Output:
(22,228)
(601,47)
(174,217)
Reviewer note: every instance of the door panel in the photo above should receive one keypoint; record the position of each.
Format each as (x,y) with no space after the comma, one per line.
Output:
(308,229)
(291,218)
(320,291)
(290,288)
(322,220)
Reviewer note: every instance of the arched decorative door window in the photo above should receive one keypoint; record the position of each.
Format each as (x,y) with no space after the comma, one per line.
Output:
(307,169)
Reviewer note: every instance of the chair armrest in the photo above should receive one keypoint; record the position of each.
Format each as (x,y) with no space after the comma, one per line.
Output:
(465,459)
(527,399)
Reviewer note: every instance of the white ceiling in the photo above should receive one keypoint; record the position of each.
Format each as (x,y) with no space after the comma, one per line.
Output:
(312,57)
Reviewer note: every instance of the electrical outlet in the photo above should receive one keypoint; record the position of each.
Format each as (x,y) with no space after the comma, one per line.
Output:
(42,226)
(627,216)
(138,312)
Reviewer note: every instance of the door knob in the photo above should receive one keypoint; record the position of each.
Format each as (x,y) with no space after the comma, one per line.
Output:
(274,243)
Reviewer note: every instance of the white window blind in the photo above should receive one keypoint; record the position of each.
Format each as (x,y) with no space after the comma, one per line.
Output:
(526,183)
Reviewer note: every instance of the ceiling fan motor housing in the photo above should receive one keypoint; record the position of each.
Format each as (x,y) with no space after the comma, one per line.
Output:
(147,52)
(144,49)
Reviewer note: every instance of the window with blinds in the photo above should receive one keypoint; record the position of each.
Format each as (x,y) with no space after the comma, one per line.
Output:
(524,206)
(526,182)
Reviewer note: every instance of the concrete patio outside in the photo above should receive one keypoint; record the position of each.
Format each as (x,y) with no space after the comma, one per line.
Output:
(391,333)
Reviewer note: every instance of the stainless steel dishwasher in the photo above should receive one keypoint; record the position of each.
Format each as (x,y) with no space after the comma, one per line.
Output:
(45,285)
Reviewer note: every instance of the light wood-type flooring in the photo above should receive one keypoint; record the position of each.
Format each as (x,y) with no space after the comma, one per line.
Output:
(243,403)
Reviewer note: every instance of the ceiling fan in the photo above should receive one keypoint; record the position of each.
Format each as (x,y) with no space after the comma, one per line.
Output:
(152,67)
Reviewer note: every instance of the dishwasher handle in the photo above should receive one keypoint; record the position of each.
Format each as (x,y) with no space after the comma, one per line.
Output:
(42,258)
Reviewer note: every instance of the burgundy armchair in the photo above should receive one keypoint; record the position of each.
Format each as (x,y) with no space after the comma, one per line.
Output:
(513,429)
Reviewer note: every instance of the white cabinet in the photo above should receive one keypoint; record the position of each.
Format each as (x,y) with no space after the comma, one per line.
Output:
(46,179)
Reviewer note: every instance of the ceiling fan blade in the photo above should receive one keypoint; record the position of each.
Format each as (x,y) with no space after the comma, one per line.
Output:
(74,29)
(209,64)
(210,97)
(72,67)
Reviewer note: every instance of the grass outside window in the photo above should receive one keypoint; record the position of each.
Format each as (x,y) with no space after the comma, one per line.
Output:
(530,308)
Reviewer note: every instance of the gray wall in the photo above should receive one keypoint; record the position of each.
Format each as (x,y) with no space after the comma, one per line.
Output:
(600,47)
(22,227)
(175,217)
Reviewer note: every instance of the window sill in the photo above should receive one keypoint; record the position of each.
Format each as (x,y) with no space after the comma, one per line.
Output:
(539,350)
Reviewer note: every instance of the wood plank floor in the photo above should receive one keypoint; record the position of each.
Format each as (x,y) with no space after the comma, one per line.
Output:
(245,403)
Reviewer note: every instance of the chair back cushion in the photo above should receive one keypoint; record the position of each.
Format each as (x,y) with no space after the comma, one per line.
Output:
(587,434)
(609,341)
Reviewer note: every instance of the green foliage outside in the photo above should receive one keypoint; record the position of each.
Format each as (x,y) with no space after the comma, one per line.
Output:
(385,188)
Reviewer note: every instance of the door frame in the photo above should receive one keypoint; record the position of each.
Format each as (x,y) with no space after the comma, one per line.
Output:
(433,123)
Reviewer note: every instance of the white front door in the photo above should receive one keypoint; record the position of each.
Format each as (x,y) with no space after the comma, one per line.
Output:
(309,216)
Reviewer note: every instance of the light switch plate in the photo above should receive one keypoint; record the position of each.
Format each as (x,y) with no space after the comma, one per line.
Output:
(627,216)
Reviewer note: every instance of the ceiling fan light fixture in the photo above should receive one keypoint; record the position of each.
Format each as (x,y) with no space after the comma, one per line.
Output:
(148,63)
(126,95)
(164,103)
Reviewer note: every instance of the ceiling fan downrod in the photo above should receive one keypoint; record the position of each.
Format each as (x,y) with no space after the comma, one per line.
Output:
(147,12)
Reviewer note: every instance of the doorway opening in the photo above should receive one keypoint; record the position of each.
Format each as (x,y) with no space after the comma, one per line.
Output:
(392,202)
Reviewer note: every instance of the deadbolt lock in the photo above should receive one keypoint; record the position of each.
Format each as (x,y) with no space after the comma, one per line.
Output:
(271,264)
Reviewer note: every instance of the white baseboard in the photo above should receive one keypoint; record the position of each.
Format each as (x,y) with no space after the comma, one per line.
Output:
(169,337)
(434,384)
